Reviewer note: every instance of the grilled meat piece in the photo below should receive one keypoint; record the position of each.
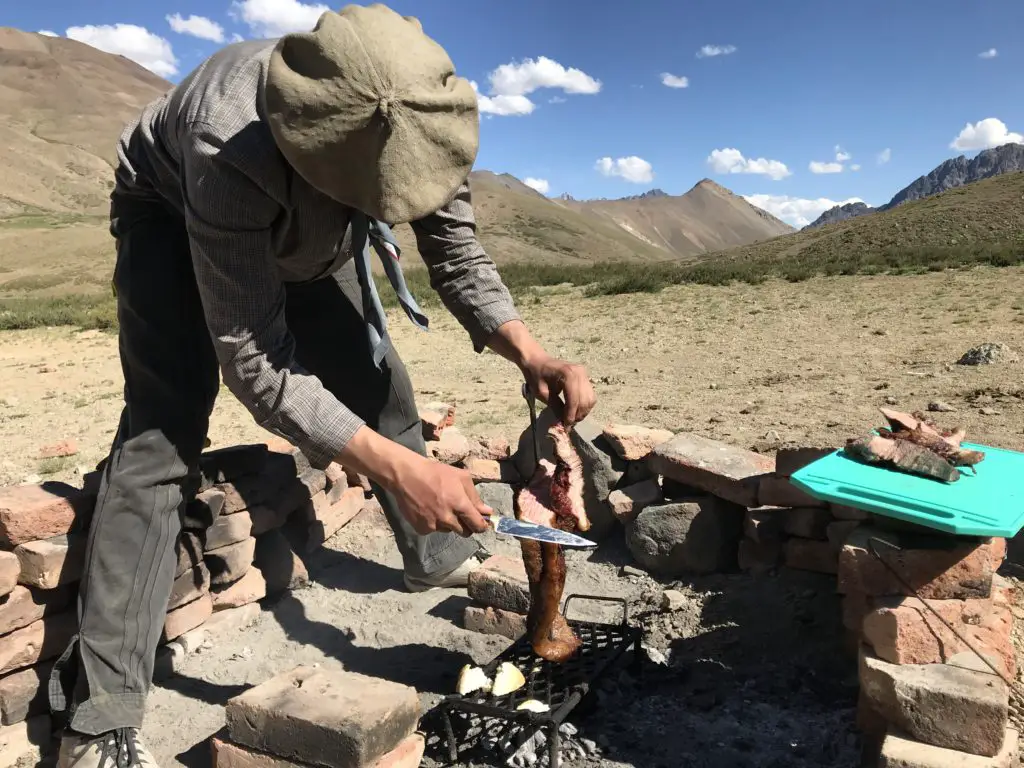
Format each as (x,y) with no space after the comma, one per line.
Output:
(910,457)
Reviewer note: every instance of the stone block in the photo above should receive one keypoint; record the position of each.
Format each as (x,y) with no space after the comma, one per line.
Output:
(759,557)
(9,570)
(190,586)
(900,751)
(491,471)
(223,465)
(282,569)
(187,618)
(51,563)
(807,522)
(434,418)
(31,512)
(264,488)
(700,536)
(775,491)
(324,717)
(494,621)
(722,470)
(189,550)
(496,448)
(451,448)
(634,443)
(855,607)
(221,625)
(39,641)
(248,589)
(627,503)
(229,564)
(408,754)
(24,693)
(809,555)
(498,496)
(764,524)
(228,530)
(26,744)
(203,511)
(25,605)
(500,582)
(789,461)
(329,519)
(842,512)
(839,531)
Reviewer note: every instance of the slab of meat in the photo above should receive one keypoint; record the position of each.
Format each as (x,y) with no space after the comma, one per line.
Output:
(902,454)
(918,429)
(553,497)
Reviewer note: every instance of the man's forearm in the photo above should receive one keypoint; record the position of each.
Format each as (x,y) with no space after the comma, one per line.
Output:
(514,342)
(370,453)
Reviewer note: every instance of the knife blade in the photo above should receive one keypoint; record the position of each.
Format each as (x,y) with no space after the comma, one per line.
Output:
(521,529)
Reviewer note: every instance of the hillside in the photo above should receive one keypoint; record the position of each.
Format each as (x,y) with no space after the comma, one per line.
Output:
(950,174)
(707,218)
(62,107)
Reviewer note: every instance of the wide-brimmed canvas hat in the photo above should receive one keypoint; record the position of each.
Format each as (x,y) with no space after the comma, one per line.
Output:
(368,110)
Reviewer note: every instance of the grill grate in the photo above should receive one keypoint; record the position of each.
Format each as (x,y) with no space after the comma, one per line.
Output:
(482,719)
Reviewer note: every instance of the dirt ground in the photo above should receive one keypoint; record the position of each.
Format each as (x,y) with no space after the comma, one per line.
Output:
(764,366)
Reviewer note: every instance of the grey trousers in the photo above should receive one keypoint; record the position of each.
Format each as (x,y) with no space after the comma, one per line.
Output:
(171,382)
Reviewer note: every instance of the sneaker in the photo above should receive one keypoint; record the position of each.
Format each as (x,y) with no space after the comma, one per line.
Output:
(116,749)
(454,579)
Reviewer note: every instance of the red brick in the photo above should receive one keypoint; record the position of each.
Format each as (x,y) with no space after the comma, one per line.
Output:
(855,607)
(452,448)
(337,482)
(26,743)
(24,693)
(202,512)
(9,570)
(494,621)
(248,589)
(25,605)
(229,564)
(228,755)
(324,717)
(435,417)
(491,471)
(759,557)
(810,555)
(187,618)
(328,520)
(53,562)
(775,491)
(39,641)
(998,552)
(720,469)
(941,567)
(764,524)
(500,582)
(628,502)
(789,461)
(839,531)
(68,447)
(408,754)
(897,750)
(265,488)
(634,443)
(190,586)
(31,512)
(228,530)
(281,567)
(904,631)
(496,448)
(190,553)
(806,522)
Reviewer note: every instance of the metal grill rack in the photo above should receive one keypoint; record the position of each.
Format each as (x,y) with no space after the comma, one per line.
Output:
(475,717)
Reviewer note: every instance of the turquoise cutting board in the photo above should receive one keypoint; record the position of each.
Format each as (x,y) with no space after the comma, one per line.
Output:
(990,503)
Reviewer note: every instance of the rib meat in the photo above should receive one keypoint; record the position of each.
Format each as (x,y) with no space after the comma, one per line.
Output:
(918,429)
(902,454)
(553,497)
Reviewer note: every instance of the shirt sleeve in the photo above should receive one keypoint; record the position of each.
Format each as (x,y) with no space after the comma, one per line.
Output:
(229,226)
(463,275)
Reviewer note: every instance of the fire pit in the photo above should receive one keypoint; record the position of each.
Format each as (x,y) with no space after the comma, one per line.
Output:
(495,722)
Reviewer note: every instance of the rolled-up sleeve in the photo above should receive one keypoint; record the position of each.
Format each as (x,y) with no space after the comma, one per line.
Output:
(461,272)
(229,223)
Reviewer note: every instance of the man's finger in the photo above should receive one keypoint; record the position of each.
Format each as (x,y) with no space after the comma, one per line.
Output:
(572,400)
(453,523)
(470,518)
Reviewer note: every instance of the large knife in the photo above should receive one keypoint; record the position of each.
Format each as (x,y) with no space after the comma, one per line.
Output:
(521,529)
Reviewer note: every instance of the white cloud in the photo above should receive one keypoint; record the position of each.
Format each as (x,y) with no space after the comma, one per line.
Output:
(273,18)
(512,83)
(632,168)
(991,53)
(674,81)
(715,50)
(855,167)
(237,38)
(541,185)
(131,41)
(502,105)
(732,161)
(197,26)
(819,167)
(884,156)
(48,33)
(985,134)
(557,100)
(796,211)
(841,156)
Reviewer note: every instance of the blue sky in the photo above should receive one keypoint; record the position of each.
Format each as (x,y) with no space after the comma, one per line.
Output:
(576,95)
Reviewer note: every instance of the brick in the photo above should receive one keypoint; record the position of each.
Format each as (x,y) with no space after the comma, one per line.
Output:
(9,569)
(494,621)
(789,461)
(938,567)
(628,502)
(337,482)
(25,744)
(939,704)
(717,468)
(842,512)
(900,751)
(500,582)
(806,522)
(248,589)
(764,524)
(408,754)
(324,716)
(496,448)
(25,605)
(855,607)
(700,535)
(228,755)
(759,557)
(281,567)
(434,418)
(775,491)
(265,488)
(330,519)
(839,531)
(39,641)
(52,562)
(634,443)
(189,550)
(31,512)
(226,464)
(24,693)
(187,618)
(202,511)
(190,586)
(451,448)
(492,471)
(220,626)
(809,555)
(998,552)
(902,630)
(228,530)
(229,564)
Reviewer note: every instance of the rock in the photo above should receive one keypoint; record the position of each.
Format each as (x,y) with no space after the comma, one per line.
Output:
(229,564)
(248,589)
(629,570)
(938,406)
(988,353)
(759,557)
(452,447)
(838,531)
(435,417)
(228,530)
(52,562)
(187,617)
(807,522)
(10,567)
(988,411)
(498,496)
(699,536)
(491,471)
(33,512)
(900,751)
(775,491)
(500,582)
(282,569)
(39,641)
(494,448)
(939,704)
(324,717)
(930,564)
(789,461)
(842,512)
(673,600)
(629,502)
(25,605)
(634,443)
(763,525)
(494,621)
(24,693)
(59,450)
(26,744)
(202,512)
(809,555)
(190,586)
(722,470)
